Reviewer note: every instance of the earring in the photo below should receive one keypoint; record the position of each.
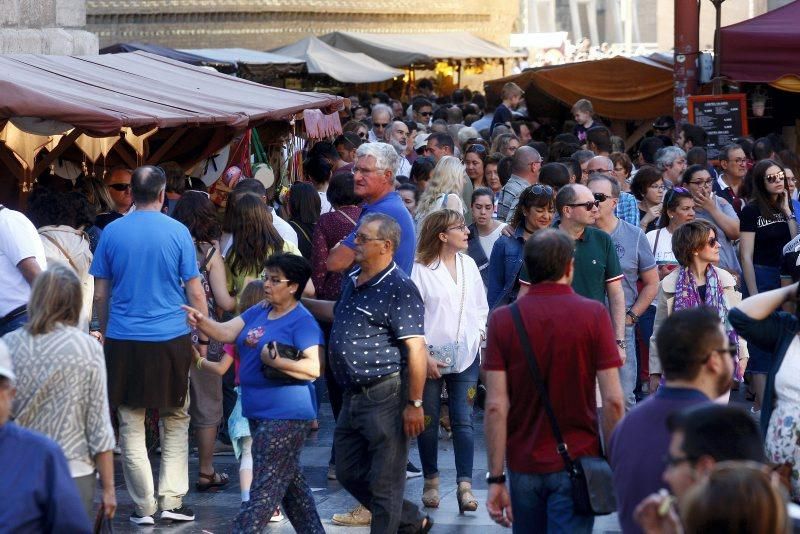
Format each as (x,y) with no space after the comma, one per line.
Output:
(695,253)
(670,216)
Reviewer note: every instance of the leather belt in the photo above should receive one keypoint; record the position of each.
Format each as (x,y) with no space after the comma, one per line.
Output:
(363,388)
(13,314)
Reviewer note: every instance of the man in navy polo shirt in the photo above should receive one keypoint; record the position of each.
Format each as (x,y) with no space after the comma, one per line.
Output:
(693,350)
(379,358)
(374,182)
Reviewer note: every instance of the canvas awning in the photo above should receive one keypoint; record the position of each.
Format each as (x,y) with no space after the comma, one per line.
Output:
(405,49)
(763,49)
(346,67)
(253,64)
(224,65)
(619,88)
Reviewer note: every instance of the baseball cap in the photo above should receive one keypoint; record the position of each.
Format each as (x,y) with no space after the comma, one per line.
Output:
(420,141)
(6,367)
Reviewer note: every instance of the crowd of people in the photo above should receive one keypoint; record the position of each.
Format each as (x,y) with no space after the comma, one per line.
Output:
(436,260)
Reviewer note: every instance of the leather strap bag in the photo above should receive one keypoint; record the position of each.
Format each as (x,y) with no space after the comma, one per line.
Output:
(592,485)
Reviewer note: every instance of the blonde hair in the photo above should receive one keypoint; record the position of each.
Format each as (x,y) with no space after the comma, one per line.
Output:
(55,298)
(447,177)
(428,244)
(511,89)
(583,105)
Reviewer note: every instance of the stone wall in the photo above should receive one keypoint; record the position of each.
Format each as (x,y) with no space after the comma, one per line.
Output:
(266,24)
(45,27)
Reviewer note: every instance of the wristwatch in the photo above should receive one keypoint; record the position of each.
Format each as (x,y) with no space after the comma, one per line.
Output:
(499,479)
(415,403)
(622,344)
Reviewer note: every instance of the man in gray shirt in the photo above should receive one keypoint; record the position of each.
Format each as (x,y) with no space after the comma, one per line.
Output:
(525,171)
(637,262)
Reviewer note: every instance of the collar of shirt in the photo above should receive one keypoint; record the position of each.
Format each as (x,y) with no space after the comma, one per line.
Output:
(375,280)
(384,198)
(519,179)
(722,185)
(677,393)
(550,288)
(519,233)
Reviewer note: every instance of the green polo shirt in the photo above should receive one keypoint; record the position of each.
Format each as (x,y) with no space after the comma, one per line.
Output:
(596,264)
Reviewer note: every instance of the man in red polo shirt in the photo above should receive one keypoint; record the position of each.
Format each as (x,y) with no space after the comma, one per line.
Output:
(573,343)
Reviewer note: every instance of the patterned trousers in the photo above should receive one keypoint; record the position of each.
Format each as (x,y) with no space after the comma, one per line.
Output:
(278,479)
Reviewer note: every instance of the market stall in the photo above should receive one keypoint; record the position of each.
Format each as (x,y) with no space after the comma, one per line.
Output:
(198,60)
(262,67)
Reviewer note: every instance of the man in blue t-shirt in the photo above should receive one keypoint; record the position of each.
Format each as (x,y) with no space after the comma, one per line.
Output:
(145,268)
(374,182)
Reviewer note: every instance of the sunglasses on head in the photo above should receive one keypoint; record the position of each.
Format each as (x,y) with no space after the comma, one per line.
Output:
(120,187)
(477,148)
(674,190)
(602,197)
(540,189)
(588,205)
(775,178)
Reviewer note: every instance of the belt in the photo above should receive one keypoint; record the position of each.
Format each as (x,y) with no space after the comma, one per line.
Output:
(13,314)
(363,388)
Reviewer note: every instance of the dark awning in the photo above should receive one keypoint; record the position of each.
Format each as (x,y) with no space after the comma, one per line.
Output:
(228,67)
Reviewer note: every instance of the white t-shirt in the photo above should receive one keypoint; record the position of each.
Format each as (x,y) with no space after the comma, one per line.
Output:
(284,229)
(326,205)
(663,251)
(18,240)
(487,242)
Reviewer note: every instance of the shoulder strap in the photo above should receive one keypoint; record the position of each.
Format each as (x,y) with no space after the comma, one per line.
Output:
(444,199)
(561,448)
(301,229)
(64,252)
(655,244)
(207,258)
(346,216)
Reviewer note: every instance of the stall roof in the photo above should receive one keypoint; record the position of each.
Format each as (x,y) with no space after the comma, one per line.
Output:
(102,94)
(242,55)
(222,65)
(764,48)
(403,49)
(619,87)
(346,67)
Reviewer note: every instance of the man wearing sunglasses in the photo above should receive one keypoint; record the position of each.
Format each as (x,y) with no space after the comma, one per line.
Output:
(381,119)
(627,208)
(119,185)
(422,110)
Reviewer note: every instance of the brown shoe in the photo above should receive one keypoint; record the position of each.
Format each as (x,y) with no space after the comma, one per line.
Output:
(357,517)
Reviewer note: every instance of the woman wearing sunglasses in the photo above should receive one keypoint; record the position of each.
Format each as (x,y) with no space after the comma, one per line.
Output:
(696,282)
(767,224)
(455,325)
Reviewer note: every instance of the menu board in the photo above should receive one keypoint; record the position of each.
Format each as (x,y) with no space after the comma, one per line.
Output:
(723,117)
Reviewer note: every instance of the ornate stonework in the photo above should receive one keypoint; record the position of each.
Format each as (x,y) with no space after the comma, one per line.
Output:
(265,24)
(45,27)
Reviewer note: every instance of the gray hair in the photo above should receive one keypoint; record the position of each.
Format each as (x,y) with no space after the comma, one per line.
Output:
(392,125)
(385,155)
(615,189)
(388,228)
(725,152)
(667,155)
(384,108)
(147,182)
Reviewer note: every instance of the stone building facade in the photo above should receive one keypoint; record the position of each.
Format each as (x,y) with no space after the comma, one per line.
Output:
(45,27)
(266,24)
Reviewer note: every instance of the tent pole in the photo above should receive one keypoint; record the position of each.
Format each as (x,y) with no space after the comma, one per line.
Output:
(459,67)
(717,88)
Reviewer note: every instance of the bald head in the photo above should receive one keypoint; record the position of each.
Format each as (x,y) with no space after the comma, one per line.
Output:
(526,163)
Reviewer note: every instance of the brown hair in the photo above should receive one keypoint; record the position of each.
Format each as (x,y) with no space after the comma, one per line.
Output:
(646,176)
(55,298)
(690,238)
(428,244)
(252,294)
(737,498)
(583,105)
(528,199)
(623,160)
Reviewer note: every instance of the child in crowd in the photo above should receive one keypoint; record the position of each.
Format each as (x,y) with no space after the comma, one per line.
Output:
(583,113)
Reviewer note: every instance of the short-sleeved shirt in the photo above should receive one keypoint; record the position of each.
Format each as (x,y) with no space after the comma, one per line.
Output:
(509,197)
(635,257)
(263,398)
(627,209)
(370,323)
(18,241)
(660,242)
(771,234)
(147,257)
(596,264)
(392,205)
(572,339)
(728,258)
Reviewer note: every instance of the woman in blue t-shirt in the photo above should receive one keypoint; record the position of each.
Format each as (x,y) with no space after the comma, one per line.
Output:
(280,411)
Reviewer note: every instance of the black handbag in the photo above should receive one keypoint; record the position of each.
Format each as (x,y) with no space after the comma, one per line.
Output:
(591,478)
(284,351)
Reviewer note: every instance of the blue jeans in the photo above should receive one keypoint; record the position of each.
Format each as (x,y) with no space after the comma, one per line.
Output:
(15,324)
(543,503)
(629,372)
(461,389)
(372,452)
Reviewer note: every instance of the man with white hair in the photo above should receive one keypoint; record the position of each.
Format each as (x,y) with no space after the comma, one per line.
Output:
(381,119)
(397,136)
(671,161)
(374,182)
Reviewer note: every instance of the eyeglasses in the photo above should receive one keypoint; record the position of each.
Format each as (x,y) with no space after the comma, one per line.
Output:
(599,171)
(713,242)
(538,161)
(378,125)
(602,197)
(461,227)
(120,187)
(661,187)
(673,461)
(273,280)
(362,238)
(738,161)
(588,205)
(777,177)
(702,183)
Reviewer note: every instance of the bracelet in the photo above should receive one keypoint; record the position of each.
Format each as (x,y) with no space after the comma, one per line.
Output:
(200,363)
(204,342)
(635,318)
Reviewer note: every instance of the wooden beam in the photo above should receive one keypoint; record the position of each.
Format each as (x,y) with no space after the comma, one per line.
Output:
(65,142)
(12,163)
(169,143)
(637,134)
(125,155)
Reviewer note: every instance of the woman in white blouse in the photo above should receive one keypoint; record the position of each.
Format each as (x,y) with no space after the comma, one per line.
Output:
(455,324)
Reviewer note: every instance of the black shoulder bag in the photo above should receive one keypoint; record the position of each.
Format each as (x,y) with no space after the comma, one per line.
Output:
(592,485)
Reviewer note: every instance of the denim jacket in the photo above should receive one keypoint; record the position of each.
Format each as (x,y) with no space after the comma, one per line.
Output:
(475,251)
(504,265)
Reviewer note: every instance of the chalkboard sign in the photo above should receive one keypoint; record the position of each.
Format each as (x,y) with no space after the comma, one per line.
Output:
(723,117)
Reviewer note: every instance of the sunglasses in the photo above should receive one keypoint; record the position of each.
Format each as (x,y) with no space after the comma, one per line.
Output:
(713,242)
(476,148)
(380,125)
(120,187)
(681,190)
(775,178)
(588,205)
(425,113)
(602,197)
(540,189)
(362,135)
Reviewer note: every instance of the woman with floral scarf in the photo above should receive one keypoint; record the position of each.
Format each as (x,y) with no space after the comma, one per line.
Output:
(697,282)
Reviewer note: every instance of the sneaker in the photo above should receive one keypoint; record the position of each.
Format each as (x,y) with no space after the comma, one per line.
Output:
(331,472)
(178,514)
(357,517)
(142,519)
(412,471)
(277,517)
